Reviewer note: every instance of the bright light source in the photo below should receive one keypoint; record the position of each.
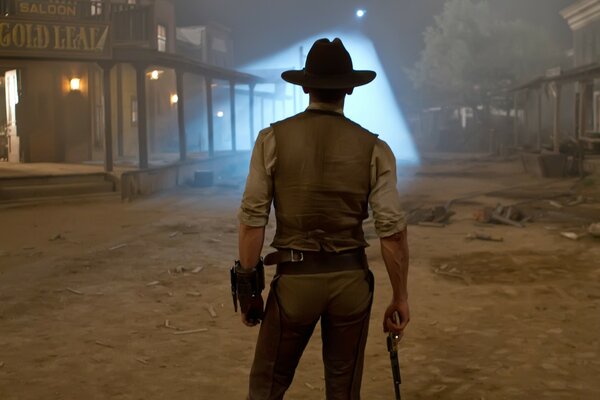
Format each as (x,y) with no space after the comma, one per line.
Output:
(382,116)
(75,84)
(174,99)
(360,13)
(220,114)
(154,75)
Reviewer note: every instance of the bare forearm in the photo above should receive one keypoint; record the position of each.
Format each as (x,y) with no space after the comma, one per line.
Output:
(394,250)
(250,245)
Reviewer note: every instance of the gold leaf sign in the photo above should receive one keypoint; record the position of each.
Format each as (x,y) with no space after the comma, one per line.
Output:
(54,38)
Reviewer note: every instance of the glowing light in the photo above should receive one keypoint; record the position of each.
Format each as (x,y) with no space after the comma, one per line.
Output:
(220,114)
(75,84)
(374,106)
(360,13)
(174,99)
(154,75)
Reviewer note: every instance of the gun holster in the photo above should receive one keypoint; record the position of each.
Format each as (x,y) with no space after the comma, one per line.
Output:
(246,285)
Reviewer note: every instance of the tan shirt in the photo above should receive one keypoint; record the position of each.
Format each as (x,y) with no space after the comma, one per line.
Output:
(383,199)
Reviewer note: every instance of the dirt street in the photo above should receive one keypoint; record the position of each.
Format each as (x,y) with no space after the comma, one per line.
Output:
(108,300)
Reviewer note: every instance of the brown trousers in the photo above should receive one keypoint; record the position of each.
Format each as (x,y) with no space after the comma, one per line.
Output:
(342,302)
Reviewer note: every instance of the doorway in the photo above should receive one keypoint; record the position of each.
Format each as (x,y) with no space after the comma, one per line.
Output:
(9,139)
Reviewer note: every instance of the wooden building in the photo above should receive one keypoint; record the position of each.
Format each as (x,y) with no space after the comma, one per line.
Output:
(108,82)
(567,100)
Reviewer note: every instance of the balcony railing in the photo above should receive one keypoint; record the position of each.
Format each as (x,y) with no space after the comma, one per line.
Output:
(130,23)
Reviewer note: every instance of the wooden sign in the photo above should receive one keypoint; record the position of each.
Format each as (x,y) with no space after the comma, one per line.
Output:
(47,9)
(54,39)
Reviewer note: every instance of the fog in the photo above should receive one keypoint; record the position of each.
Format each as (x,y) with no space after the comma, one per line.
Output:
(266,27)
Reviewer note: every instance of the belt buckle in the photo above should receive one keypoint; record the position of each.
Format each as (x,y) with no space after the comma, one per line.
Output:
(293,259)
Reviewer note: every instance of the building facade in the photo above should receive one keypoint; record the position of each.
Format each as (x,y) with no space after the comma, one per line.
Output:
(108,82)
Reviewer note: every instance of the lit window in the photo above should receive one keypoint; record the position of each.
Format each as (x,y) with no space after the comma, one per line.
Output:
(161,36)
(96,7)
(132,2)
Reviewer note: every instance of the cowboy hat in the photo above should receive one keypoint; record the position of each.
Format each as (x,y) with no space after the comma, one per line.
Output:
(328,66)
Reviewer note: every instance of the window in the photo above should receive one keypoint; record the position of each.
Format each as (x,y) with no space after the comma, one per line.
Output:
(96,7)
(132,2)
(161,36)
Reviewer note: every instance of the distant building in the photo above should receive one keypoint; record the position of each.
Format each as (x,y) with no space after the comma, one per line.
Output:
(95,81)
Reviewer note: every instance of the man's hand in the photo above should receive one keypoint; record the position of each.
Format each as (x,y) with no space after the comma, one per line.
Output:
(401,307)
(252,312)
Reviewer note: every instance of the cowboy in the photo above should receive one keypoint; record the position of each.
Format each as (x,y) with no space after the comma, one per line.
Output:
(322,171)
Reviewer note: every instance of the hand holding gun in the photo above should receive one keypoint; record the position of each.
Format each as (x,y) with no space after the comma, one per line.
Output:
(393,340)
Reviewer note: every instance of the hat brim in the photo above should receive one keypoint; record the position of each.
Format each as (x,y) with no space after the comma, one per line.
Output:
(353,79)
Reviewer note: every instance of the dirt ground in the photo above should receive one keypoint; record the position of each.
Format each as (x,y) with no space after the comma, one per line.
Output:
(94,296)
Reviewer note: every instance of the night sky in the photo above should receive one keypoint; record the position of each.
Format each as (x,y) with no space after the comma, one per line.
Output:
(262,27)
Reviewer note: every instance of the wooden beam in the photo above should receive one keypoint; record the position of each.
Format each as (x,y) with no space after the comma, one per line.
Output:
(251,99)
(209,113)
(108,137)
(539,119)
(516,120)
(557,119)
(181,116)
(142,122)
(582,109)
(232,103)
(120,108)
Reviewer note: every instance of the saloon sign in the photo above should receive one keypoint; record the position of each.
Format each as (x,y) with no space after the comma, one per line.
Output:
(59,39)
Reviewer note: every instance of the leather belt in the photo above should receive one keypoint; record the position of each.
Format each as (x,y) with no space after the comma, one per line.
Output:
(314,262)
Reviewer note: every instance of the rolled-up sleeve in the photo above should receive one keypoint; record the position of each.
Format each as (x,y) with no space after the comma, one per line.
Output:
(384,198)
(258,194)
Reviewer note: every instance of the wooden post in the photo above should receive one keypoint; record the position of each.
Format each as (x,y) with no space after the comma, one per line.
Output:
(108,137)
(539,121)
(251,99)
(232,103)
(120,108)
(181,116)
(582,109)
(140,70)
(209,112)
(516,120)
(557,119)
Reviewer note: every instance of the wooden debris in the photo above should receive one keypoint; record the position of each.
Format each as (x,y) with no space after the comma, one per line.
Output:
(197,269)
(555,204)
(308,385)
(74,291)
(99,343)
(484,237)
(142,361)
(172,235)
(579,200)
(211,310)
(506,221)
(213,240)
(432,224)
(572,235)
(168,325)
(153,283)
(57,237)
(191,331)
(194,294)
(117,247)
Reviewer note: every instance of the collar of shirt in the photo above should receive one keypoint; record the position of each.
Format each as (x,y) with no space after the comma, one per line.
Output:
(325,107)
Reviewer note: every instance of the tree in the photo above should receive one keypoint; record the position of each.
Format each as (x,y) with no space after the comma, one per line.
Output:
(469,54)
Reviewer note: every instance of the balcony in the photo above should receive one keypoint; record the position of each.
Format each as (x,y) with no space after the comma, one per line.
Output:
(131,25)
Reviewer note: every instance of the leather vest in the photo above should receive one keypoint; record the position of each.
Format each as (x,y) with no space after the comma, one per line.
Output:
(321,181)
